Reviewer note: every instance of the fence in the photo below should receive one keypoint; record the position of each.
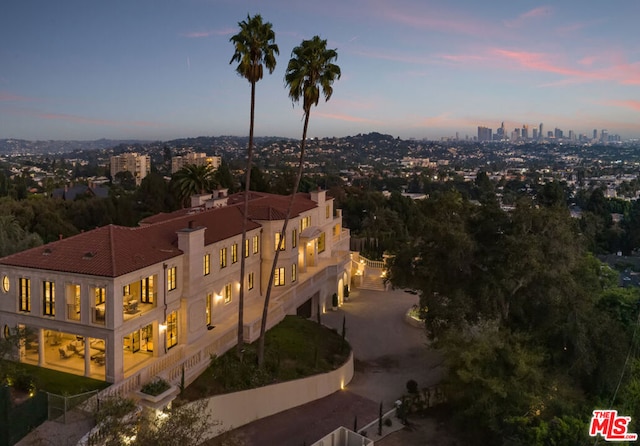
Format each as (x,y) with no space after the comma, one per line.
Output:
(60,405)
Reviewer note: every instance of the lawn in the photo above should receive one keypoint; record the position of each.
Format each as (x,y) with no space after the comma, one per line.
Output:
(295,348)
(60,383)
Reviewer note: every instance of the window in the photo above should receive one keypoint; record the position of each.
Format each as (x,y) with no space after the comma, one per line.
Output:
(126,290)
(172,329)
(73,302)
(305,223)
(100,294)
(171,278)
(256,244)
(207,264)
(147,291)
(209,304)
(250,281)
(294,272)
(246,247)
(49,298)
(24,294)
(321,243)
(6,284)
(336,230)
(234,253)
(277,240)
(278,278)
(227,293)
(294,238)
(328,211)
(223,258)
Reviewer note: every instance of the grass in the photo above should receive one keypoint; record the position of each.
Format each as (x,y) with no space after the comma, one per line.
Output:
(295,348)
(60,383)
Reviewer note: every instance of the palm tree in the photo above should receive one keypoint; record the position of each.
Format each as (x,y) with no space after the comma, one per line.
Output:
(254,46)
(192,180)
(310,71)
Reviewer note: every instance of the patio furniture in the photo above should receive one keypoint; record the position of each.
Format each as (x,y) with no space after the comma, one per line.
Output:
(64,354)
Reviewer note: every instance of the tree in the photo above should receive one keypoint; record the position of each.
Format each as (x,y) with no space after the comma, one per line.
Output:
(13,238)
(193,180)
(254,46)
(310,73)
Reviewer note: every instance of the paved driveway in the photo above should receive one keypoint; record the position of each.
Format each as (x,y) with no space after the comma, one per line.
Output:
(388,353)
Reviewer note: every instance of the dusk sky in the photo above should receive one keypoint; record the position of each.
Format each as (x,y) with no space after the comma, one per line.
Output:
(159,69)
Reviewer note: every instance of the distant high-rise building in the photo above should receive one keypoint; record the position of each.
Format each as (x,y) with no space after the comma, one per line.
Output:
(572,135)
(484,133)
(525,131)
(199,159)
(604,135)
(557,133)
(540,134)
(595,133)
(138,165)
(549,134)
(535,134)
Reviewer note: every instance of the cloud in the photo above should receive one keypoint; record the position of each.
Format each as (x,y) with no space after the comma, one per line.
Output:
(536,13)
(203,34)
(6,96)
(629,104)
(83,119)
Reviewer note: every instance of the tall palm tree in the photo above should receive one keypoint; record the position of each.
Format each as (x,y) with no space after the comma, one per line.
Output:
(254,47)
(310,72)
(192,180)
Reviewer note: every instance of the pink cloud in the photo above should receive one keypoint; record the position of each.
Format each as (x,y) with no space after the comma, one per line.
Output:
(539,62)
(536,13)
(588,61)
(630,104)
(6,96)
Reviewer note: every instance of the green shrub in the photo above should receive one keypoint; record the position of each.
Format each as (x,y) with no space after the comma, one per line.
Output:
(155,387)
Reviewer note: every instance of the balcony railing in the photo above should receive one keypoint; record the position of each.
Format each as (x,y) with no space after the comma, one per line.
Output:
(73,312)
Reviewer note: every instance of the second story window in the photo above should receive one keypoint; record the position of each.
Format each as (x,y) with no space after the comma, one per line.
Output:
(48,298)
(278,278)
(277,242)
(294,272)
(294,238)
(246,248)
(172,278)
(207,264)
(234,253)
(209,305)
(227,293)
(250,281)
(305,222)
(223,258)
(100,295)
(328,211)
(24,294)
(256,244)
(321,243)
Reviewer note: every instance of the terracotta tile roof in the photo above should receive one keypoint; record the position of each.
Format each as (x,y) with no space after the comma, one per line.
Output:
(112,251)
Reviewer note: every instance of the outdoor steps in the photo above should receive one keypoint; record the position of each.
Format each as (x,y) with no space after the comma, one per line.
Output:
(372,281)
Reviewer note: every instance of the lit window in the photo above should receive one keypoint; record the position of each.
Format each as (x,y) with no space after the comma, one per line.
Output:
(209,304)
(147,290)
(336,230)
(73,302)
(294,272)
(100,294)
(49,298)
(234,253)
(305,223)
(207,264)
(171,278)
(250,281)
(227,293)
(277,240)
(172,329)
(246,247)
(294,238)
(25,294)
(321,243)
(223,258)
(256,244)
(6,284)
(328,211)
(278,278)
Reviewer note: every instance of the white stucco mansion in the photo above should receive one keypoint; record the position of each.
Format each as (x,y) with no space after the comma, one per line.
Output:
(124,304)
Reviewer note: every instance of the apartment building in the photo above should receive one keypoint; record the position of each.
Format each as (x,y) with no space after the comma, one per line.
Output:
(138,165)
(199,159)
(118,302)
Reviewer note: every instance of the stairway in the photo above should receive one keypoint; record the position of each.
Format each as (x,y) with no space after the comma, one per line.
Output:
(372,280)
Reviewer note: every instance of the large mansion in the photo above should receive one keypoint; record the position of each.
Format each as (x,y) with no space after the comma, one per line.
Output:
(119,302)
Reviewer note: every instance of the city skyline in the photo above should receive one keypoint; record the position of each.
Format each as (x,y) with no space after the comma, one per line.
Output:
(160,70)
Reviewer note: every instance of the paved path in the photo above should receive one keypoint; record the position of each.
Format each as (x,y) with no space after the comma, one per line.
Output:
(388,353)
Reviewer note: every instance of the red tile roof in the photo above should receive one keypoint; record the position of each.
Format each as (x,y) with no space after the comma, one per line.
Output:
(112,251)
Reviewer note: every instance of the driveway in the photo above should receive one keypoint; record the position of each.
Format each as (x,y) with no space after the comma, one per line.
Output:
(388,353)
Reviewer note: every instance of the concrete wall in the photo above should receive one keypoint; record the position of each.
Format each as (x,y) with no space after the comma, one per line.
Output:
(237,409)
(343,437)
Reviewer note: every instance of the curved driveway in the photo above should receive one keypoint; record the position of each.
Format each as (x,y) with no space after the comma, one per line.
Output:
(388,352)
